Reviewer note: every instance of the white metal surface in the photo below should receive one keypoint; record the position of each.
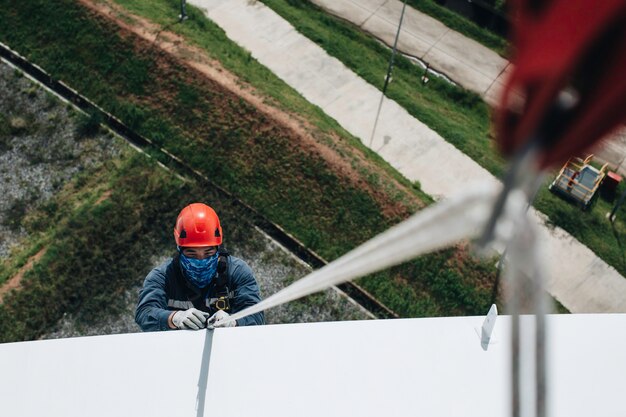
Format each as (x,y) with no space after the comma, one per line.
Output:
(428,367)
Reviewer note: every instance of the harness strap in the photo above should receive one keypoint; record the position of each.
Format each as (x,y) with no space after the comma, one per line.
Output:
(222,268)
(222,302)
(223,294)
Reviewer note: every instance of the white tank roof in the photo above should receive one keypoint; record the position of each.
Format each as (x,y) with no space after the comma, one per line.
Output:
(410,367)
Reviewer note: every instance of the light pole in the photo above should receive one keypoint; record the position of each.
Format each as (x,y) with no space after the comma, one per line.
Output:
(183,12)
(388,76)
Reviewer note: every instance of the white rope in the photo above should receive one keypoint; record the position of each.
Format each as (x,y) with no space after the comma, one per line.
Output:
(441,225)
(433,228)
(525,274)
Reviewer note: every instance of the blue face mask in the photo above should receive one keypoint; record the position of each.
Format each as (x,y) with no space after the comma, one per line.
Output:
(199,271)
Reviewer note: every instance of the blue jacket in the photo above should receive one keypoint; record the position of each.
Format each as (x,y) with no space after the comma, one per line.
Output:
(165,289)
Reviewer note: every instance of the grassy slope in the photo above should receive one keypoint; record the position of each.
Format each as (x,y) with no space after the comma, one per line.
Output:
(459,116)
(235,145)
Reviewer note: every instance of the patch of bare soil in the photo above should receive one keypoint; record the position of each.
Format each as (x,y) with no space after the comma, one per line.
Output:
(300,131)
(103,197)
(15,281)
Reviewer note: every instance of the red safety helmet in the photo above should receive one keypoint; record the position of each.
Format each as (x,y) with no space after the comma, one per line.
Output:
(198,225)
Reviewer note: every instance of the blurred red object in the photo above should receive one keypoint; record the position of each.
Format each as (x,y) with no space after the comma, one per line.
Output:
(568,85)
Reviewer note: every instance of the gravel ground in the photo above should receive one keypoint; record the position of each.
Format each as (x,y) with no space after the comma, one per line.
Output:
(40,150)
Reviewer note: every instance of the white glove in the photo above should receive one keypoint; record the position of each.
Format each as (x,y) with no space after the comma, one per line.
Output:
(216,318)
(191,319)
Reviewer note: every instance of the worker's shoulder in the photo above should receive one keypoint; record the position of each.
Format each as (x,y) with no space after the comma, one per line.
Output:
(237,267)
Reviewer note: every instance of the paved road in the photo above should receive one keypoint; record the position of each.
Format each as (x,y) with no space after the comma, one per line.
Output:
(578,279)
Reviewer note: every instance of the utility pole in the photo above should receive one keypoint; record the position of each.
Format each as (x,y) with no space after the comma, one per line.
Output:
(183,11)
(388,76)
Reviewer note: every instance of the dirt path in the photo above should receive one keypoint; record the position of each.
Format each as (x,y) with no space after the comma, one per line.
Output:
(15,281)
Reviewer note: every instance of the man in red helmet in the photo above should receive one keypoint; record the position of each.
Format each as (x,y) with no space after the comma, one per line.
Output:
(201,284)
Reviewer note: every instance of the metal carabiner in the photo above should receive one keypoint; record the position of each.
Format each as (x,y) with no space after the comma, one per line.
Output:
(222,303)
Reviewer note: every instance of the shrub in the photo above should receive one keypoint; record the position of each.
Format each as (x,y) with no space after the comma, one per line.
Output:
(88,125)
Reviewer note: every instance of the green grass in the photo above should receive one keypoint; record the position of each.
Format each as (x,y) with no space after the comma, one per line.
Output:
(441,284)
(228,140)
(592,228)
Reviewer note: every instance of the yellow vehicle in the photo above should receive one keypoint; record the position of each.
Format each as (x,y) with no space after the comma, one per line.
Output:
(579,181)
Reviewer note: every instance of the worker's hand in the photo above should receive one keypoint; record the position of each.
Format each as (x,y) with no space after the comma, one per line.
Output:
(215,319)
(191,319)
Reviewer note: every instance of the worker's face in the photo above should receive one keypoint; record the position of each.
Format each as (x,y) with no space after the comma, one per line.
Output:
(199,253)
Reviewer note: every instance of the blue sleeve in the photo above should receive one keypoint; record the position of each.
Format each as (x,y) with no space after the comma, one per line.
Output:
(152,313)
(246,292)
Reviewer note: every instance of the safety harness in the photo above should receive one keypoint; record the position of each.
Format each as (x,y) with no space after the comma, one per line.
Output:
(221,301)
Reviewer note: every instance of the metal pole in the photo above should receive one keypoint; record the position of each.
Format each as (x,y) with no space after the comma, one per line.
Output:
(183,11)
(388,76)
